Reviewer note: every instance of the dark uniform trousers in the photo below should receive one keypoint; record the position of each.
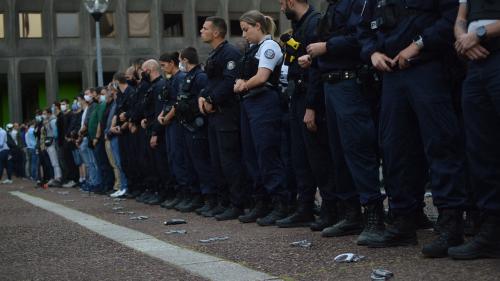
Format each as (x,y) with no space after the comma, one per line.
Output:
(420,97)
(199,158)
(355,137)
(310,153)
(160,169)
(261,139)
(177,155)
(481,107)
(129,153)
(225,154)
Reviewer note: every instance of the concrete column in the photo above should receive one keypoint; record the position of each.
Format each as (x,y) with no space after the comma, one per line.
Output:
(190,19)
(51,81)
(14,91)
(156,28)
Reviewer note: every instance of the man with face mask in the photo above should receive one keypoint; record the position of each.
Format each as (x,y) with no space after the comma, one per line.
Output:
(5,163)
(96,135)
(310,158)
(69,169)
(93,176)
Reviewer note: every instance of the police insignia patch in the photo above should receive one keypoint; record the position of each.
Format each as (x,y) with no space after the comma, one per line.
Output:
(231,65)
(269,54)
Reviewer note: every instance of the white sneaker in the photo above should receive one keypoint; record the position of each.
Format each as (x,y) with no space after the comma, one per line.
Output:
(115,194)
(121,192)
(7,181)
(69,184)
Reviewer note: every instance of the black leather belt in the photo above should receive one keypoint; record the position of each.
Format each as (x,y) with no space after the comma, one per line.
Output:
(339,75)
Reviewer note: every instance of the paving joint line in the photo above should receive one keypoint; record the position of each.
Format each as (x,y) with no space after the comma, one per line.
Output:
(218,268)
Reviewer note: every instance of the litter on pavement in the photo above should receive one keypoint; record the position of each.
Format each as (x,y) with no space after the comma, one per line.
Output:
(176,231)
(214,239)
(175,222)
(139,218)
(380,274)
(301,243)
(117,208)
(348,257)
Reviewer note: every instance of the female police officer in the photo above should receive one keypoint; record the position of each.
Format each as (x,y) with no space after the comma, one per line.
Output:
(257,83)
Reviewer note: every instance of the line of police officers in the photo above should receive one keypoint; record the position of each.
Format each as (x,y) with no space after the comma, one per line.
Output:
(368,80)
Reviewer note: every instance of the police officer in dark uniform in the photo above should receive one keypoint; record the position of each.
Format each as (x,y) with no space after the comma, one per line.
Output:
(257,83)
(311,161)
(174,131)
(155,100)
(223,110)
(188,114)
(350,118)
(409,42)
(477,32)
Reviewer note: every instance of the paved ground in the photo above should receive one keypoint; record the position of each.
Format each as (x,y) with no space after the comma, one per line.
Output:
(37,245)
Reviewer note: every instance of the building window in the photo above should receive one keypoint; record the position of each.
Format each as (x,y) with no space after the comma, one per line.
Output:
(234,25)
(30,25)
(2,29)
(173,25)
(67,25)
(106,26)
(200,20)
(139,24)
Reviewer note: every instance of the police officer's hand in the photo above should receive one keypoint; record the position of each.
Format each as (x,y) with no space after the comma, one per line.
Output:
(239,86)
(466,42)
(144,123)
(382,62)
(170,115)
(122,117)
(160,118)
(402,59)
(201,105)
(477,52)
(305,61)
(133,128)
(316,49)
(153,142)
(310,120)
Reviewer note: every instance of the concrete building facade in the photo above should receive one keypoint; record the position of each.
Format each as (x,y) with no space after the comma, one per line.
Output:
(47,47)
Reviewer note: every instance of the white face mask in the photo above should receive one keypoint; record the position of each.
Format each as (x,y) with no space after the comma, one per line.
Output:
(102,98)
(182,67)
(64,107)
(87,98)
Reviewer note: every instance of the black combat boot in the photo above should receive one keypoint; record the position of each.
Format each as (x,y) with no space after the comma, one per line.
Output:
(156,199)
(218,209)
(486,244)
(422,220)
(472,222)
(185,201)
(327,216)
(144,196)
(170,203)
(230,213)
(451,234)
(302,217)
(194,204)
(351,223)
(260,210)
(280,211)
(374,224)
(403,232)
(210,203)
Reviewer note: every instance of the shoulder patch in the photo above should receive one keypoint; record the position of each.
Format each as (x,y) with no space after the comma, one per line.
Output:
(269,54)
(231,65)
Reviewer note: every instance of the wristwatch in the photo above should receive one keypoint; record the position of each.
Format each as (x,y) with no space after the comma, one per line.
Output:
(419,41)
(481,33)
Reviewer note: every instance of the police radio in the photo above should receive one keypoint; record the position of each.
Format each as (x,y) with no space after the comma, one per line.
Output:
(291,48)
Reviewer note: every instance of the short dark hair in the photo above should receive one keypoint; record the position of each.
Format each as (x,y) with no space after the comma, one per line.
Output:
(120,77)
(65,100)
(219,24)
(170,57)
(48,110)
(190,54)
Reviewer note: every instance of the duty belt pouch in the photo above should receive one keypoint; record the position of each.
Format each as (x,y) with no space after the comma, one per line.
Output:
(254,92)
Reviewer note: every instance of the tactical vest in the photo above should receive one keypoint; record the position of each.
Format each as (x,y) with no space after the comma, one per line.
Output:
(187,103)
(326,27)
(212,69)
(483,10)
(389,13)
(249,65)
